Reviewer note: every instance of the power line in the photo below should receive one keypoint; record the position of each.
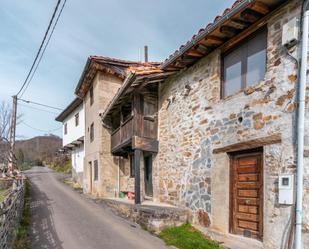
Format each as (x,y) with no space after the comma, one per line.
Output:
(39,51)
(36,103)
(42,54)
(38,109)
(47,131)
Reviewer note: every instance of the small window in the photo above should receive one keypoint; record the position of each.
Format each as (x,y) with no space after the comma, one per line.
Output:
(245,65)
(95,170)
(132,168)
(91,132)
(65,128)
(76,119)
(91,95)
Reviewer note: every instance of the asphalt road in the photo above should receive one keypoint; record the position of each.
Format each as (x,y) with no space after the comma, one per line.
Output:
(63,219)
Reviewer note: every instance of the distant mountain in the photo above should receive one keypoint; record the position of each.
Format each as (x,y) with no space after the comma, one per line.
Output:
(41,148)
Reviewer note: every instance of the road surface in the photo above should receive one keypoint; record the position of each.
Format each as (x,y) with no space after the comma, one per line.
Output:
(63,219)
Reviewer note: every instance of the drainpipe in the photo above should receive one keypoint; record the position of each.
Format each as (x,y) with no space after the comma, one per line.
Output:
(118,178)
(300,126)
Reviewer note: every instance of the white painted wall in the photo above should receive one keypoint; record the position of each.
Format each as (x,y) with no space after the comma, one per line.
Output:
(74,132)
(77,155)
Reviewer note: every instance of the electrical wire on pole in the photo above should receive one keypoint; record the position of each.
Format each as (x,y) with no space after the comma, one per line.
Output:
(40,48)
(43,52)
(36,103)
(37,129)
(26,83)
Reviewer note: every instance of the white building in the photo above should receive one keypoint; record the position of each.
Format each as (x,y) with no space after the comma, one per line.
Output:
(73,132)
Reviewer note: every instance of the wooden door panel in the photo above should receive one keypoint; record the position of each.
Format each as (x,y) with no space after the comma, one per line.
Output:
(248,185)
(248,177)
(248,225)
(248,201)
(247,161)
(247,169)
(248,209)
(247,194)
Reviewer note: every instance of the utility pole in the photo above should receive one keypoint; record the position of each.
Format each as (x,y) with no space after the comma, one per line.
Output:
(146,53)
(12,135)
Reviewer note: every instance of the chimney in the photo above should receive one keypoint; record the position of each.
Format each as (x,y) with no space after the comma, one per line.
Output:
(146,53)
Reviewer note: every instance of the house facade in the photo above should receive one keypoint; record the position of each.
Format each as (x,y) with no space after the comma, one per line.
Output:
(213,128)
(73,132)
(99,83)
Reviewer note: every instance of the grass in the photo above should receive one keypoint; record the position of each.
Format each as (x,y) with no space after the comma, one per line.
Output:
(187,237)
(22,240)
(73,185)
(64,168)
(3,194)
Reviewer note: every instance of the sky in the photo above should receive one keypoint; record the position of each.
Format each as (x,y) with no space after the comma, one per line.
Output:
(114,28)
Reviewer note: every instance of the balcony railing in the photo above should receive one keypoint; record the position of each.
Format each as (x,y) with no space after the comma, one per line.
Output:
(123,133)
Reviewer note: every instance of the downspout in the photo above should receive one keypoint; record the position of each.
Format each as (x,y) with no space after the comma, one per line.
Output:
(118,182)
(300,126)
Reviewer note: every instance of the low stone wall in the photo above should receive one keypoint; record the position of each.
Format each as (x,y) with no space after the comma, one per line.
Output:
(10,213)
(151,218)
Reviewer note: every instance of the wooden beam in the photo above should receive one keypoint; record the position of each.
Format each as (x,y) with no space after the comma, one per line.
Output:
(250,144)
(228,31)
(214,40)
(202,48)
(250,15)
(137,178)
(260,7)
(250,30)
(194,53)
(145,144)
(238,24)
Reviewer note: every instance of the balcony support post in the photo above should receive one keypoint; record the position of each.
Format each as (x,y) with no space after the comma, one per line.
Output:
(137,183)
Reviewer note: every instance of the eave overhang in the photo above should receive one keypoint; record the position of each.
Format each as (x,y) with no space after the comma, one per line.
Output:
(241,16)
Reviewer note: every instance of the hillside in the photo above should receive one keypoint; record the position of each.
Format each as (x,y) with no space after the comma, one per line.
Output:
(41,148)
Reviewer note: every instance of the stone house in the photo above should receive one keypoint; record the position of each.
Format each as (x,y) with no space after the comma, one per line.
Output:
(99,83)
(73,132)
(213,128)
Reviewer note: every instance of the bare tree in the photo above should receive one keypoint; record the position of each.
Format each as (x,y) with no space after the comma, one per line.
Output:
(5,123)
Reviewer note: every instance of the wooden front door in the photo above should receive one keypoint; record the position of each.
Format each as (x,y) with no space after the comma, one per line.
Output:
(246,216)
(148,175)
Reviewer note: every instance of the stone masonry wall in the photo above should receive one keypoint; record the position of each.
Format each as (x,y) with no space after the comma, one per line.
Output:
(10,213)
(192,126)
(105,86)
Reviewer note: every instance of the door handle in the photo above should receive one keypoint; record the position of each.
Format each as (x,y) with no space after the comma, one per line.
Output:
(247,202)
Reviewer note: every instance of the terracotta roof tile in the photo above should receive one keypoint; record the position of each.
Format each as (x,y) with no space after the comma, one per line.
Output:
(208,26)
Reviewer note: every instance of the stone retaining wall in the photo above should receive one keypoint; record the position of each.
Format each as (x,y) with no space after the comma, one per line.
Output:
(151,218)
(10,213)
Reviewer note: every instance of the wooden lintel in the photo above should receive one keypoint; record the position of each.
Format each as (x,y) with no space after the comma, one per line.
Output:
(145,144)
(250,144)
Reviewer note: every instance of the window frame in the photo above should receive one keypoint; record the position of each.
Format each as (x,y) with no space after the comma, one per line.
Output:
(244,61)
(95,170)
(77,119)
(91,135)
(65,128)
(91,95)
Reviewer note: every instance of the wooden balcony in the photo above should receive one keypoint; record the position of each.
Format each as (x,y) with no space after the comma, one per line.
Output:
(122,134)
(133,134)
